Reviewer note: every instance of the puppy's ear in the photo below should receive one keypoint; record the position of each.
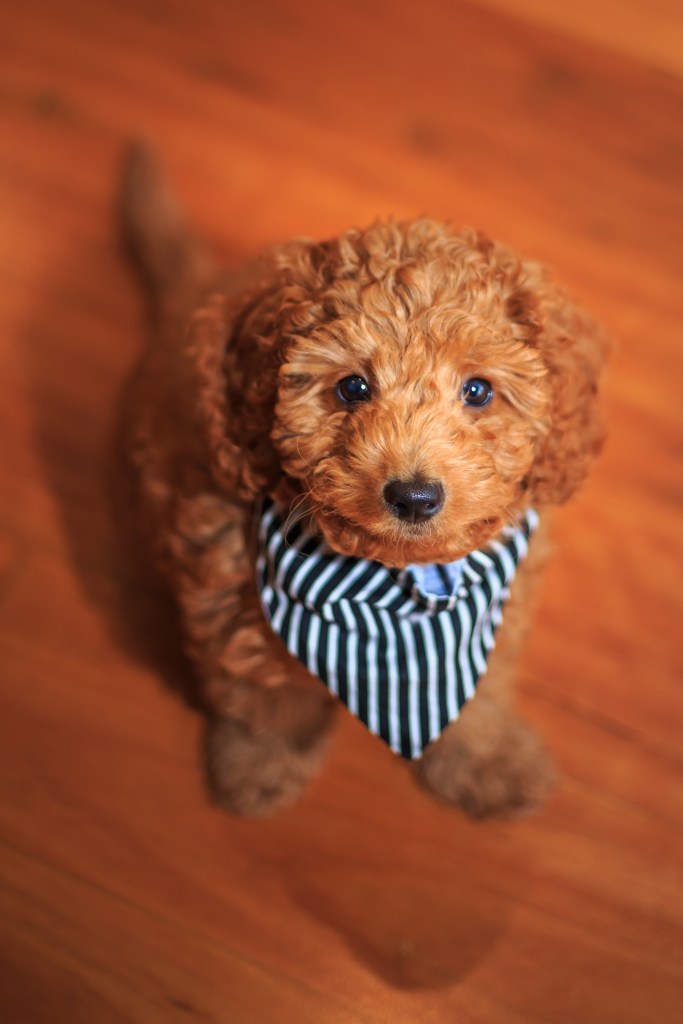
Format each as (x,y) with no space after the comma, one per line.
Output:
(573,350)
(237,350)
(207,333)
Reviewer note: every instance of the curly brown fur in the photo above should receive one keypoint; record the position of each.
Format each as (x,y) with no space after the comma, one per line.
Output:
(235,398)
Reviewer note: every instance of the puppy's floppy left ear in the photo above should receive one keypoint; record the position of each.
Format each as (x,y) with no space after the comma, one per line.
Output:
(573,349)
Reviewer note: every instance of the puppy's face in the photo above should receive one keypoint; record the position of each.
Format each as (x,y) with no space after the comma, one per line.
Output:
(410,409)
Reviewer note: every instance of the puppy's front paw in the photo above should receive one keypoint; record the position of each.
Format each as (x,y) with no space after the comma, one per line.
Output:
(509,779)
(255,774)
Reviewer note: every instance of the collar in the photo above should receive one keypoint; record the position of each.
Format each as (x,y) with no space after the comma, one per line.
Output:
(403,649)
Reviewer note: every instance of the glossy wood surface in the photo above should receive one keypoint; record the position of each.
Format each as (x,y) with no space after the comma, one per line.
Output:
(124,897)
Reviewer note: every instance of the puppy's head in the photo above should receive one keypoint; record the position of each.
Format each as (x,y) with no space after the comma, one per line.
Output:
(415,390)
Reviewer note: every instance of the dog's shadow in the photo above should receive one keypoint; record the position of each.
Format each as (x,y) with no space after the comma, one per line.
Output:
(399,926)
(402,928)
(409,896)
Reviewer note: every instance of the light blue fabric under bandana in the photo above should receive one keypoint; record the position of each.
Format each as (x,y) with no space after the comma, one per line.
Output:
(403,649)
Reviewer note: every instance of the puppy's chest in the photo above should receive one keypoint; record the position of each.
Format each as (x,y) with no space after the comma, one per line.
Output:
(403,650)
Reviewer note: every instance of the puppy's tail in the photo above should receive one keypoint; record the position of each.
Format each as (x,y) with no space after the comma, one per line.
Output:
(171,259)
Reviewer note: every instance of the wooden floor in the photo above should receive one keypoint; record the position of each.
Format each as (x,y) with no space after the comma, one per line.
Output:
(124,897)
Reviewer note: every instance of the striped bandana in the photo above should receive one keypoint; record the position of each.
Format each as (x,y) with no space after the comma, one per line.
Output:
(403,649)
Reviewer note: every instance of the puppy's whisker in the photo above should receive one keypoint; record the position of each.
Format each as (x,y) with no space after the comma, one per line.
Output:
(301,508)
(306,462)
(514,517)
(297,511)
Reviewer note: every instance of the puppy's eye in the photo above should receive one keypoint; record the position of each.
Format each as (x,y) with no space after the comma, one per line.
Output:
(477,392)
(353,389)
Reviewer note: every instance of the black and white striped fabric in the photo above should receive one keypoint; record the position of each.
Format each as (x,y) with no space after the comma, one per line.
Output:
(403,649)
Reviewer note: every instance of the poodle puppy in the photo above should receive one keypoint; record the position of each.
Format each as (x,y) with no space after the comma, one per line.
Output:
(342,456)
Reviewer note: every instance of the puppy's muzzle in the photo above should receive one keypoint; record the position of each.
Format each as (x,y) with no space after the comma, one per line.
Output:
(414,501)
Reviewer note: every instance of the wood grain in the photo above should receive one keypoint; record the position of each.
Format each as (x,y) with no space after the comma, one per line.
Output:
(124,896)
(649,32)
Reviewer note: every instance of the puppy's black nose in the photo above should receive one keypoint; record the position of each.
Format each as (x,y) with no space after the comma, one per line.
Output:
(413,500)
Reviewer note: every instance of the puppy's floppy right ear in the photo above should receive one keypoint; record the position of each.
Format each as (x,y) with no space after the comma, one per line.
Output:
(236,383)
(207,332)
(235,394)
(238,349)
